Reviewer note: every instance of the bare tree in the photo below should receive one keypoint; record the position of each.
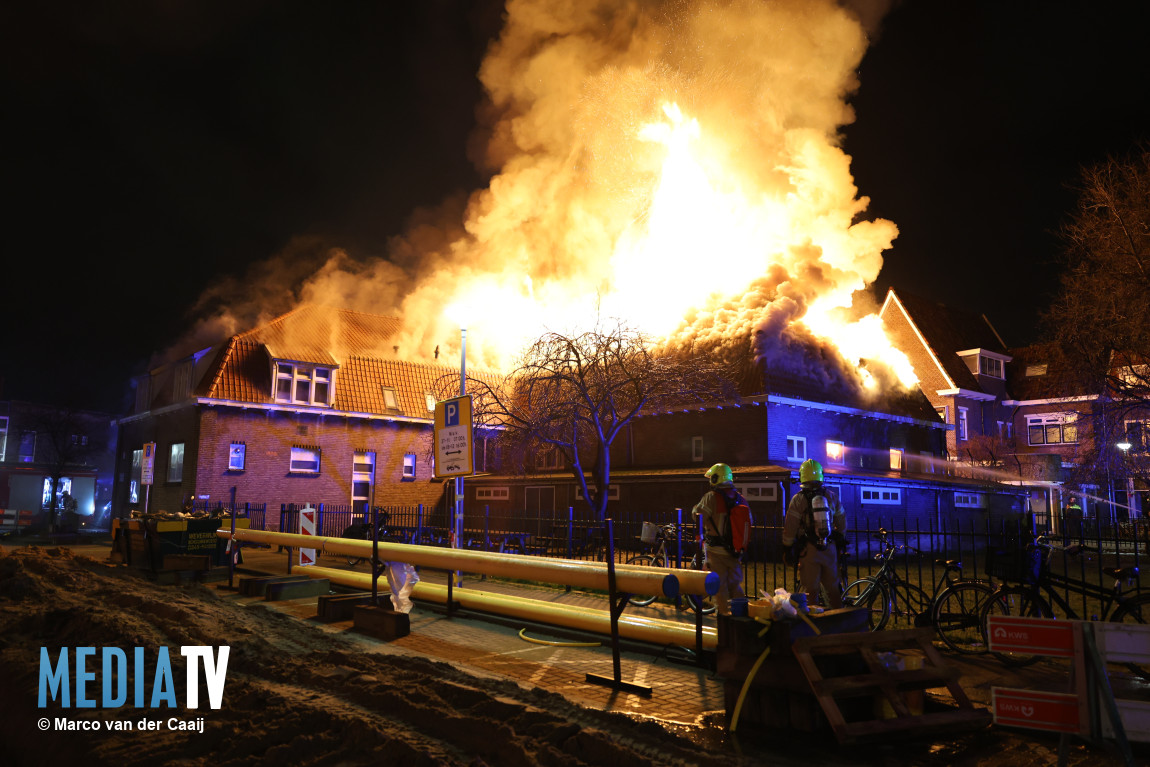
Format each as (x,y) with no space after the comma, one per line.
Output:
(1101,318)
(64,450)
(576,393)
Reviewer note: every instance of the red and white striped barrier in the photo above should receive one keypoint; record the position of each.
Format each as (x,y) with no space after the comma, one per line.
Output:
(16,517)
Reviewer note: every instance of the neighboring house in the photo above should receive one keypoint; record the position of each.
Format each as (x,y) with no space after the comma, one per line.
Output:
(882,453)
(39,442)
(1072,436)
(961,364)
(311,407)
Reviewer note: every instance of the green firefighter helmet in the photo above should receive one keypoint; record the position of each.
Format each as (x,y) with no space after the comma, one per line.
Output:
(720,474)
(810,471)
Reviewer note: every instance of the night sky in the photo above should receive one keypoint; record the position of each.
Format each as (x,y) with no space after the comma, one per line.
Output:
(155,148)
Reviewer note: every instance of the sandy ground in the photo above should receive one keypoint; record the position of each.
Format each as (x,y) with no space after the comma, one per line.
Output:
(298,695)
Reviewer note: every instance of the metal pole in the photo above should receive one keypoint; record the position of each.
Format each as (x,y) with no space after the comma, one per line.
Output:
(458,526)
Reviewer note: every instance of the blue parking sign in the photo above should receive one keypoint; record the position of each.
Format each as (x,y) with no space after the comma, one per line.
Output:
(451,414)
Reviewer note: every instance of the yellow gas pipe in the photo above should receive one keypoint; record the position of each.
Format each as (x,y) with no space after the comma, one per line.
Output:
(629,579)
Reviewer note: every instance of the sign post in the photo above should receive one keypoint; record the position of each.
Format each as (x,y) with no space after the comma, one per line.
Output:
(148,471)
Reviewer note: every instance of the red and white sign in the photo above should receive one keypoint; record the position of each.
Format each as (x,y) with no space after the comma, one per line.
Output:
(1036,710)
(1037,636)
(307,517)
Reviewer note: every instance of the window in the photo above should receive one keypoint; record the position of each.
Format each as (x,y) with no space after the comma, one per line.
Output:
(961,425)
(137,473)
(1052,429)
(796,448)
(612,492)
(1035,370)
(696,448)
(362,479)
(3,435)
(989,366)
(836,452)
(304,460)
(1138,435)
(176,462)
(236,453)
(390,400)
(969,500)
(942,413)
(64,486)
(408,466)
(492,493)
(429,398)
(79,440)
(303,384)
(896,459)
(27,446)
(886,496)
(548,458)
(764,491)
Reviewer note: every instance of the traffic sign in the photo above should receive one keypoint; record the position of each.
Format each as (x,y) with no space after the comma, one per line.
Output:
(453,437)
(307,516)
(147,468)
(1037,710)
(1038,636)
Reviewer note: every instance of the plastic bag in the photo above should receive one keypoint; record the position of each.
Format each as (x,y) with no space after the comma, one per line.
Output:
(402,579)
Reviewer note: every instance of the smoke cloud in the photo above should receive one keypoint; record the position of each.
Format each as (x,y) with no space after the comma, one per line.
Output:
(673,163)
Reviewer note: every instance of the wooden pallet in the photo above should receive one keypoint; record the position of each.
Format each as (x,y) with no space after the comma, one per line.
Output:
(878,683)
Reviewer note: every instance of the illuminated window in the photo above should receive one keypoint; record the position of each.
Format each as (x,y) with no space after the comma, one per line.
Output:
(796,448)
(895,459)
(884,496)
(176,462)
(960,425)
(137,473)
(236,453)
(303,384)
(304,460)
(362,479)
(836,452)
(1035,370)
(27,446)
(696,448)
(409,466)
(429,398)
(3,435)
(1052,429)
(64,486)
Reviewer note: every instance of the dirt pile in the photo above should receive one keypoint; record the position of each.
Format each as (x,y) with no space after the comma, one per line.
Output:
(294,694)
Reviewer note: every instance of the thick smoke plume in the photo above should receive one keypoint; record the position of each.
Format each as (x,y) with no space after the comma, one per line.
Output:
(675,164)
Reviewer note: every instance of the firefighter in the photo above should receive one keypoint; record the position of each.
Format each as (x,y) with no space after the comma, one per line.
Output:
(814,530)
(726,531)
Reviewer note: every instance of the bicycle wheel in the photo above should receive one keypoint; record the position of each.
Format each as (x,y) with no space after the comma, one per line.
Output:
(1136,610)
(705,605)
(1017,601)
(909,604)
(872,594)
(643,560)
(957,616)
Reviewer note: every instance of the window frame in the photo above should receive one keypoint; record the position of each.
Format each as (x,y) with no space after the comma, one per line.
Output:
(294,374)
(965,499)
(1047,421)
(962,424)
(754,491)
(796,442)
(233,453)
(299,454)
(881,500)
(612,493)
(901,458)
(696,449)
(842,452)
(986,362)
(175,473)
(409,468)
(502,493)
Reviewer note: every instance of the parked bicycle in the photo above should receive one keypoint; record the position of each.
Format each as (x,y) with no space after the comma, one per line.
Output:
(954,609)
(659,557)
(1035,593)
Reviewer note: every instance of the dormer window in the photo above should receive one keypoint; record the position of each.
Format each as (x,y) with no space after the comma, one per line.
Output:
(990,366)
(303,384)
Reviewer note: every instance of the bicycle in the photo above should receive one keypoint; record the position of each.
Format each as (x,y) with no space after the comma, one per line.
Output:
(1037,588)
(362,531)
(660,558)
(954,609)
